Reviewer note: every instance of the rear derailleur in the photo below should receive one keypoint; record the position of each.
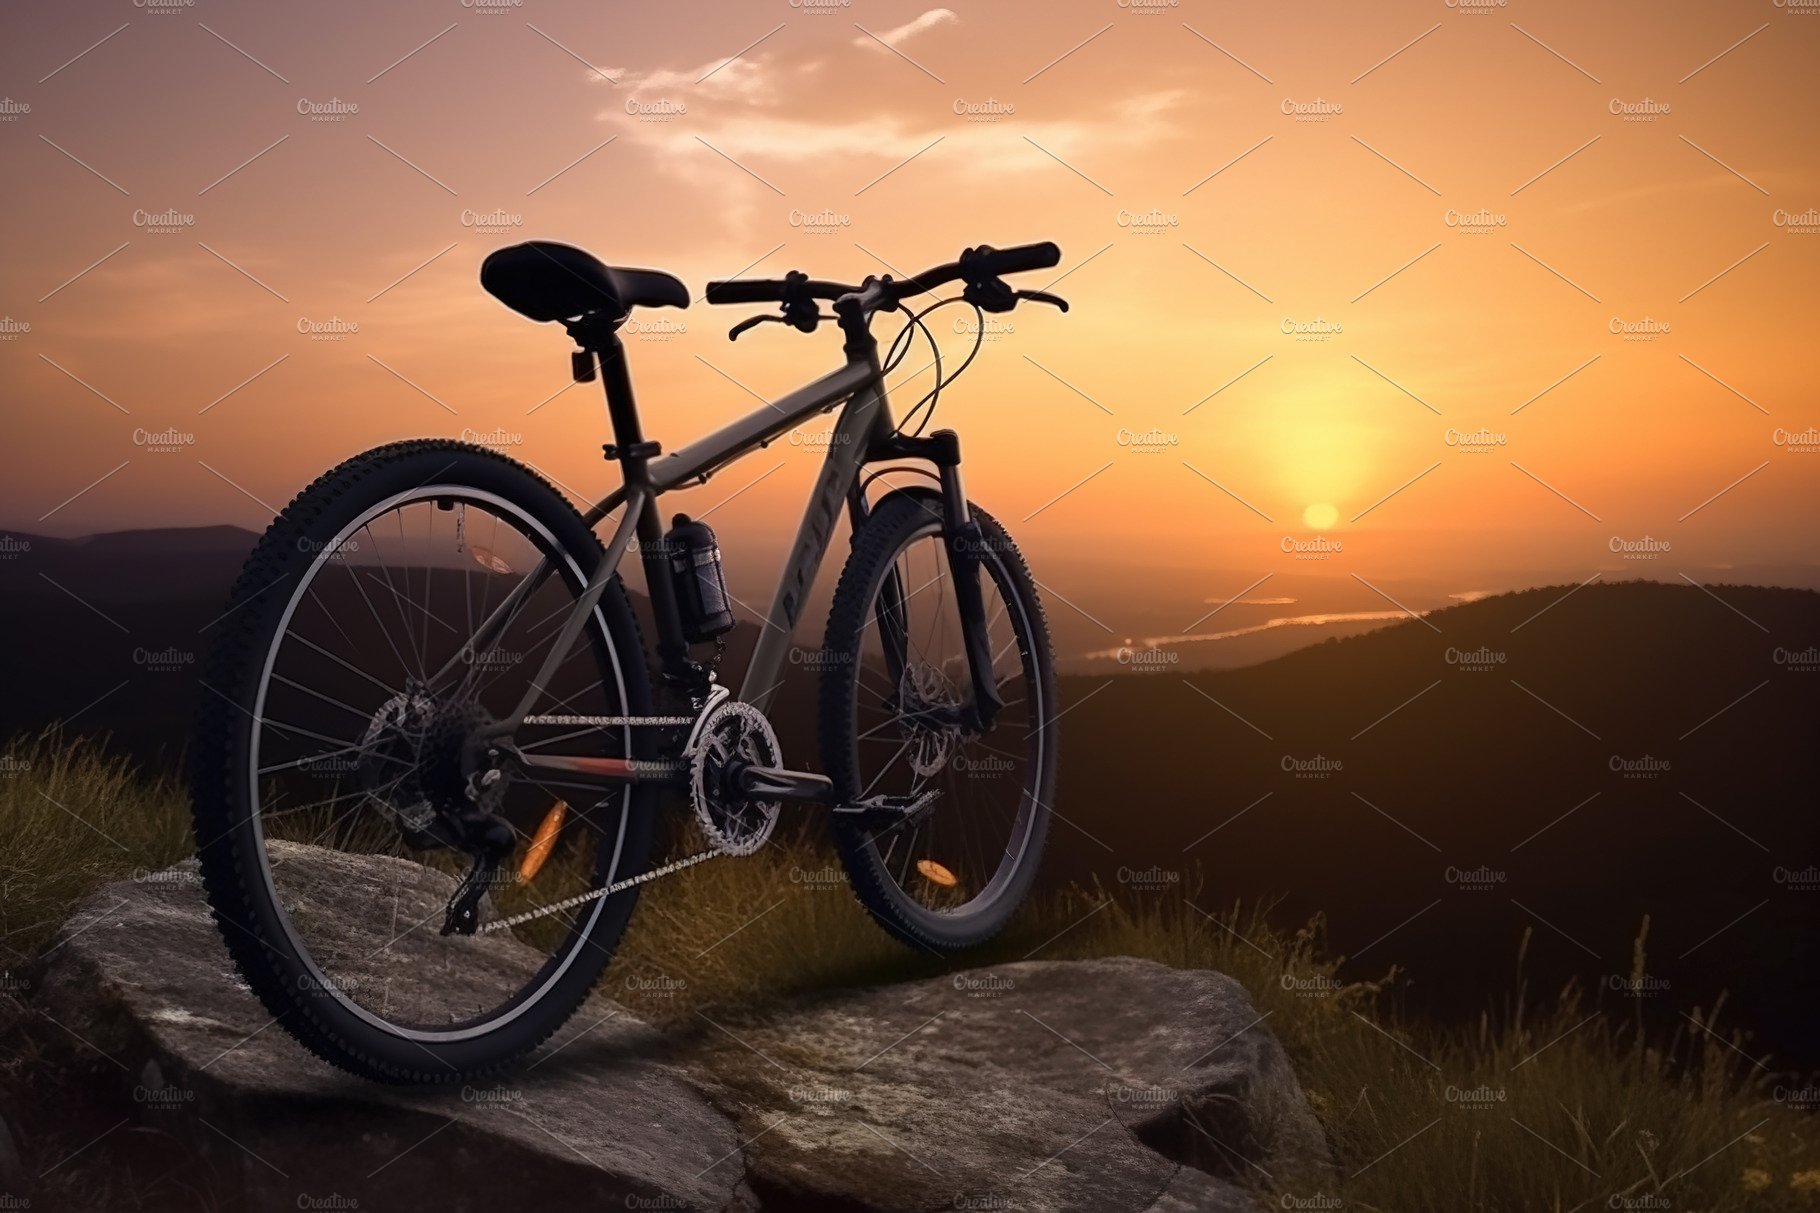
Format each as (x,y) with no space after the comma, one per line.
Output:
(450,790)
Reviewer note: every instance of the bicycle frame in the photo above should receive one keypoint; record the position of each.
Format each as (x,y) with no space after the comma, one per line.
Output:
(859,434)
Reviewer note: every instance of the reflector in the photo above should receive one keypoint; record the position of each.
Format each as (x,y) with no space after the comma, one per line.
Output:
(935,873)
(542,843)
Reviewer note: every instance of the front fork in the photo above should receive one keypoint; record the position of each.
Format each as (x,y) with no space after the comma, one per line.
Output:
(964,543)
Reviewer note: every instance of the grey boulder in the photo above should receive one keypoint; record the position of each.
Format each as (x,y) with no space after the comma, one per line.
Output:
(1044,1085)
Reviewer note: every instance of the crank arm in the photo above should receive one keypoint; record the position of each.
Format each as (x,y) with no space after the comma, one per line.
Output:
(779,783)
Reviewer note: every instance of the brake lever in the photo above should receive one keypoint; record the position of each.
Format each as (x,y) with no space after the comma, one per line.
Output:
(751,321)
(803,322)
(1044,297)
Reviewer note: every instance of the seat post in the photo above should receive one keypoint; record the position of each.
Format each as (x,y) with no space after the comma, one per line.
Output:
(622,405)
(601,337)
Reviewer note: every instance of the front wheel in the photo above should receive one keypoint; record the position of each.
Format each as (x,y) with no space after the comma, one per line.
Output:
(896,699)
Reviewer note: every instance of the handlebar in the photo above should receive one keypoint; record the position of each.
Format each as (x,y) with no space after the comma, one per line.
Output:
(977,266)
(985,262)
(773,290)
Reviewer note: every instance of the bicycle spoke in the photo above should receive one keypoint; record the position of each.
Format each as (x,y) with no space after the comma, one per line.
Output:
(354,580)
(885,724)
(329,699)
(300,731)
(352,669)
(415,606)
(330,616)
(467,567)
(410,633)
(293,810)
(317,757)
(385,569)
(885,770)
(518,596)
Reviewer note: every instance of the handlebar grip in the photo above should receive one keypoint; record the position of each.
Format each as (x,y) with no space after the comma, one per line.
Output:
(996,262)
(746,290)
(774,290)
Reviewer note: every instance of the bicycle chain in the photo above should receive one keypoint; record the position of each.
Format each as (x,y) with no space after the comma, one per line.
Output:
(618,886)
(611,722)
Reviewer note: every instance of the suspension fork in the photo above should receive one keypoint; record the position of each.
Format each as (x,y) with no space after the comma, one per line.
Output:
(892,614)
(965,544)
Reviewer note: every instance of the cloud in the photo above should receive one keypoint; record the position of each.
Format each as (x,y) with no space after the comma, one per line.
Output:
(889,137)
(741,80)
(765,111)
(751,79)
(895,38)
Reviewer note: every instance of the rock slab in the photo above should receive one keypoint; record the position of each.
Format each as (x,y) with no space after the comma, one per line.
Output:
(1091,1085)
(140,983)
(1078,1085)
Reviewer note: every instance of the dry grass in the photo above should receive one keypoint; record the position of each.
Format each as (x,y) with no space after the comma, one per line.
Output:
(1559,1106)
(72,818)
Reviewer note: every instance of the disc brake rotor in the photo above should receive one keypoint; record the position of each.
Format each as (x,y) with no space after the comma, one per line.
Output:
(923,688)
(389,764)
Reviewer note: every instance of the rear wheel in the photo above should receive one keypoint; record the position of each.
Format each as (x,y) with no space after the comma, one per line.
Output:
(341,776)
(951,876)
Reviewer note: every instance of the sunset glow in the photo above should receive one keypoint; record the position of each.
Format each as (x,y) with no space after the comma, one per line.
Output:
(1561,297)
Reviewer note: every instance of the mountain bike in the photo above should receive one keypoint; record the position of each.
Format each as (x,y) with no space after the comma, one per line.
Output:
(433,747)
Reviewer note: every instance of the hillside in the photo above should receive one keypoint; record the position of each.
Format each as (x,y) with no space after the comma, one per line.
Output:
(1561,763)
(1440,786)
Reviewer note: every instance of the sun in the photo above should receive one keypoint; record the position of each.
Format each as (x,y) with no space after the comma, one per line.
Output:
(1320,515)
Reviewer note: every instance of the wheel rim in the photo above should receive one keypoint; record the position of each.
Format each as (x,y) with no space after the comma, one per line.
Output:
(611,816)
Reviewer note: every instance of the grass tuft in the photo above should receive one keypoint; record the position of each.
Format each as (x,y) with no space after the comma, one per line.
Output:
(74,818)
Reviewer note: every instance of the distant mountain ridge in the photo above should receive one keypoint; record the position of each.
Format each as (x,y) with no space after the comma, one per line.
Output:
(127,566)
(1290,609)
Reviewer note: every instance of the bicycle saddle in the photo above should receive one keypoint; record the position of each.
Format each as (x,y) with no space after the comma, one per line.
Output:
(548,281)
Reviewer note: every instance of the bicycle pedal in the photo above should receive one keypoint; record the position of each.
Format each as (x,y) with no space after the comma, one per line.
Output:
(880,812)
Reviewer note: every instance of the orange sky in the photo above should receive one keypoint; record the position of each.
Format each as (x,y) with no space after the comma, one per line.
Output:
(501,115)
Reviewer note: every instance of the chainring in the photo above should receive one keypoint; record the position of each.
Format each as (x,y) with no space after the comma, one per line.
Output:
(734,823)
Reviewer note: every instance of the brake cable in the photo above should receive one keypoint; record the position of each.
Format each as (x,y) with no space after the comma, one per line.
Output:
(900,349)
